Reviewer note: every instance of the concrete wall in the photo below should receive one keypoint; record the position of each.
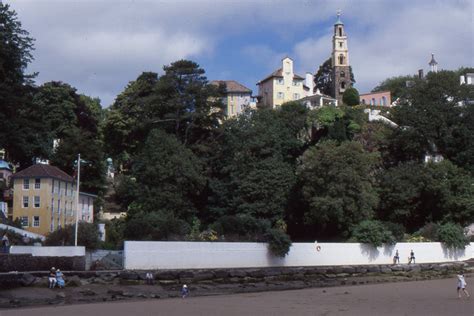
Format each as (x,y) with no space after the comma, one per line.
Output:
(205,255)
(39,251)
(22,232)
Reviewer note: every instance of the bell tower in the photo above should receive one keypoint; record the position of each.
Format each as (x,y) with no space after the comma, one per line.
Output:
(340,61)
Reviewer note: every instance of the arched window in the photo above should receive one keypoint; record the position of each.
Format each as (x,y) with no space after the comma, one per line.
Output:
(341,59)
(363,101)
(383,101)
(343,74)
(372,102)
(340,31)
(343,85)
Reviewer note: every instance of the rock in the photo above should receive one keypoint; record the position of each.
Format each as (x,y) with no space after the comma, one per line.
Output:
(73,281)
(27,279)
(396,268)
(127,294)
(204,275)
(221,274)
(342,275)
(414,268)
(166,275)
(115,292)
(167,282)
(385,270)
(373,269)
(88,292)
(256,273)
(129,276)
(61,295)
(237,273)
(348,269)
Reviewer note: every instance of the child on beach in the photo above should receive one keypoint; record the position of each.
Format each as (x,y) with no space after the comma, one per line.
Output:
(184,291)
(462,285)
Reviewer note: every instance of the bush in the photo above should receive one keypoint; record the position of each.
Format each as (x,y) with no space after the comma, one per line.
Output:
(452,235)
(372,232)
(87,236)
(429,231)
(279,242)
(398,231)
(241,227)
(351,97)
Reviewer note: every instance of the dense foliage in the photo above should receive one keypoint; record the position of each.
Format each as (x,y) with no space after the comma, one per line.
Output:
(186,172)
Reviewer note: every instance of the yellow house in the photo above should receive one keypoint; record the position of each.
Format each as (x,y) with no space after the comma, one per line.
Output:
(237,97)
(44,199)
(281,86)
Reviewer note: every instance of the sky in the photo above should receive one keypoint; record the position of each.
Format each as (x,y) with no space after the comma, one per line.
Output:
(98,46)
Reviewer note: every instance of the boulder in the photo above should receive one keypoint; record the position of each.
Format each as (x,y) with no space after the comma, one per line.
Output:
(73,281)
(27,279)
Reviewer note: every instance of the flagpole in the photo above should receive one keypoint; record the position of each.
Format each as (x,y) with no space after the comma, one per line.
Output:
(77,196)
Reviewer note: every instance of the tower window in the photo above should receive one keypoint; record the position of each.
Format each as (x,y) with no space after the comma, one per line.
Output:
(343,74)
(340,31)
(343,85)
(341,59)
(340,44)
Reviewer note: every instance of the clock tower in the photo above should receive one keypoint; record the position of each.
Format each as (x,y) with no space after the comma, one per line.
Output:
(340,61)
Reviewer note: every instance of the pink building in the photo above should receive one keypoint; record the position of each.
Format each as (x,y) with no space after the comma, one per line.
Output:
(381,98)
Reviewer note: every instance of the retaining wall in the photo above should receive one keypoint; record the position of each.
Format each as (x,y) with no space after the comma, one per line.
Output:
(53,251)
(27,262)
(149,255)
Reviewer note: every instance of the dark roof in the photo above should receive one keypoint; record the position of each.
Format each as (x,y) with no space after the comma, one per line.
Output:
(43,171)
(432,61)
(279,74)
(232,86)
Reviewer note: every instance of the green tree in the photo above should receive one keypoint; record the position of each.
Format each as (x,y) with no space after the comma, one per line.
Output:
(16,48)
(452,235)
(351,96)
(168,177)
(87,236)
(372,232)
(398,86)
(324,77)
(338,185)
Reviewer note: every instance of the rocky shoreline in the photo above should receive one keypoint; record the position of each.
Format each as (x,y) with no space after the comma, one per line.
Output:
(30,289)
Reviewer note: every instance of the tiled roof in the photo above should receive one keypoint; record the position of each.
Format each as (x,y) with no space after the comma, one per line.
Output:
(232,86)
(279,73)
(43,171)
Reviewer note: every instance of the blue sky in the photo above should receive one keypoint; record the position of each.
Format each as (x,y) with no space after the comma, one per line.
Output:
(98,46)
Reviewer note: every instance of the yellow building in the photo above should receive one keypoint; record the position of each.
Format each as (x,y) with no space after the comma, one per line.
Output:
(44,199)
(283,85)
(237,97)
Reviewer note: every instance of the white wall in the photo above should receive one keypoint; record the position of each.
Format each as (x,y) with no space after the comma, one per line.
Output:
(39,251)
(22,231)
(201,255)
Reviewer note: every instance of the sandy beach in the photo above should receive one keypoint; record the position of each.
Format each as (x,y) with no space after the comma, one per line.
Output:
(433,297)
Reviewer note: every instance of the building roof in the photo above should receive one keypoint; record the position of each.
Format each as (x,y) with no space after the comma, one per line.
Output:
(338,21)
(232,86)
(432,61)
(43,171)
(279,74)
(4,165)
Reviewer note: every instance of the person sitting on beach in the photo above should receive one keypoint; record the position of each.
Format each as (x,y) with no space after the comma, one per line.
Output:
(60,279)
(149,278)
(462,285)
(52,278)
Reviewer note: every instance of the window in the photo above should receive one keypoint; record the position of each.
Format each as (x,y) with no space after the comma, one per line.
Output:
(363,101)
(340,31)
(25,201)
(36,221)
(37,201)
(37,183)
(1,175)
(280,81)
(343,74)
(341,59)
(296,96)
(343,85)
(24,221)
(383,101)
(340,44)
(280,95)
(26,184)
(295,83)
(372,102)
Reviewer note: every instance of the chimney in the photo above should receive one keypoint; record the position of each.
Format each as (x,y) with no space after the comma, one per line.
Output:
(420,74)
(309,82)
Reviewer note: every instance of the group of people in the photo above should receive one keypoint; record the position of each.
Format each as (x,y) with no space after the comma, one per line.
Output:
(411,258)
(56,277)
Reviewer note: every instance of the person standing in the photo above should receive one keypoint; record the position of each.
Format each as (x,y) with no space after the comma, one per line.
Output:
(412,257)
(184,291)
(5,243)
(462,285)
(396,258)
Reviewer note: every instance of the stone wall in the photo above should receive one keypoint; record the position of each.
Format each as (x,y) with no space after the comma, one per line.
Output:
(268,278)
(28,262)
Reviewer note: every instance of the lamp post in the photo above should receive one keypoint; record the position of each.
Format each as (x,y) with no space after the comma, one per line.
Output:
(77,196)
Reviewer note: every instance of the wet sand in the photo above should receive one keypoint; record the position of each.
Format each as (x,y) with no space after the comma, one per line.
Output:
(434,297)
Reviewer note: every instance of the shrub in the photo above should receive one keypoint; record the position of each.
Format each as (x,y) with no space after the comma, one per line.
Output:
(279,242)
(351,97)
(372,232)
(87,236)
(429,231)
(452,235)
(398,231)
